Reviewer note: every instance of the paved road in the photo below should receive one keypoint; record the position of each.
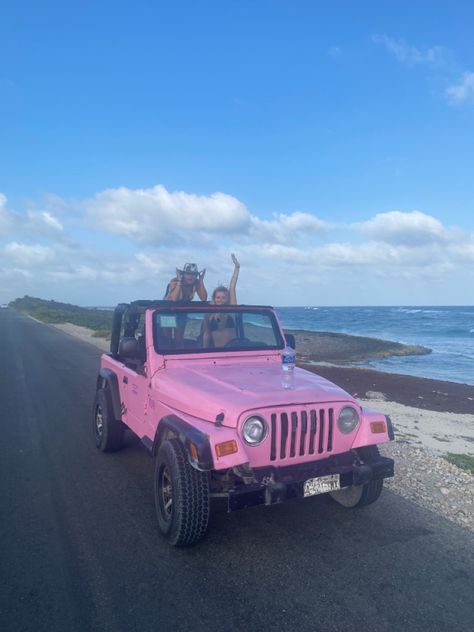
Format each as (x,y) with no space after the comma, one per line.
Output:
(80,550)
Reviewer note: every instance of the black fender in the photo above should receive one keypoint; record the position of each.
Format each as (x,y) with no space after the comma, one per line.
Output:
(188,435)
(113,390)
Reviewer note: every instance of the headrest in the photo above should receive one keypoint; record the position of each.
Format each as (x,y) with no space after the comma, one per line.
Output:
(128,347)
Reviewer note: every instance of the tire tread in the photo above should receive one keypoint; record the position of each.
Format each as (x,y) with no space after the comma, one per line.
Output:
(191,506)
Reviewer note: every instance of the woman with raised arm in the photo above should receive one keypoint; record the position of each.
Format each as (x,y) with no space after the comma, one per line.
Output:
(220,328)
(228,296)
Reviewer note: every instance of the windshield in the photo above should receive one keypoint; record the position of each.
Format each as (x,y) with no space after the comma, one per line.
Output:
(219,329)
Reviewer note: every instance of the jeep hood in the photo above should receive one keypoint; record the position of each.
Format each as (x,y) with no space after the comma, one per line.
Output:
(205,391)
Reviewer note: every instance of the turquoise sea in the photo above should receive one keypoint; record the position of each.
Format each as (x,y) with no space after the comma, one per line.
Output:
(448,331)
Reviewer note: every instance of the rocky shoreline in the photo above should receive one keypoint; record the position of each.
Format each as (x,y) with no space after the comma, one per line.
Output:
(316,346)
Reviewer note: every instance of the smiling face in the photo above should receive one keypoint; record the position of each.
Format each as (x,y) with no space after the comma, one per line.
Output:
(221,297)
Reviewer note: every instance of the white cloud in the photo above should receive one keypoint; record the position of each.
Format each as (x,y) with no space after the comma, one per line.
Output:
(44,223)
(336,255)
(288,227)
(15,273)
(28,255)
(345,254)
(463,248)
(153,264)
(439,58)
(7,219)
(288,254)
(73,273)
(408,54)
(31,224)
(381,258)
(156,214)
(462,91)
(290,258)
(411,229)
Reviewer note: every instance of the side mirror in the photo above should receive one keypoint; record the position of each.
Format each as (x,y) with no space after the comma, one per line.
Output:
(290,340)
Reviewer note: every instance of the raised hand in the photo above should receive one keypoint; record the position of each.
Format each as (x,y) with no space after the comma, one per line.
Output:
(235,261)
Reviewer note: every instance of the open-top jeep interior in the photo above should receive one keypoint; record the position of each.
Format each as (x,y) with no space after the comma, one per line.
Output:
(181,328)
(214,328)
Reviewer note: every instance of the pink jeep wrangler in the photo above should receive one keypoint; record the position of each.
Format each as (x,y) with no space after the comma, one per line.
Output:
(201,386)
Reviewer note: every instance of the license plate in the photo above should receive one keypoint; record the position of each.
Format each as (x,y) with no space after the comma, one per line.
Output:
(322,485)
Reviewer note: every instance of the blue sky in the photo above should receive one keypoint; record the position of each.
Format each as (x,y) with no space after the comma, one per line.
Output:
(328,144)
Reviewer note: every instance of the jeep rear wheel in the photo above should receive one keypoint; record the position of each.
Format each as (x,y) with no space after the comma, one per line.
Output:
(108,431)
(360,495)
(181,496)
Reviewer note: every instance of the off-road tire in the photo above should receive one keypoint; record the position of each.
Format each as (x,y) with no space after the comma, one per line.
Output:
(360,495)
(108,431)
(183,521)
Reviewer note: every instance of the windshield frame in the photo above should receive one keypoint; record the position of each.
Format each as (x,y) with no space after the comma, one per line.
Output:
(213,309)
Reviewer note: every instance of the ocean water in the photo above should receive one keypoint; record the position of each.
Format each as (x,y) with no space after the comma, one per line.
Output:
(448,331)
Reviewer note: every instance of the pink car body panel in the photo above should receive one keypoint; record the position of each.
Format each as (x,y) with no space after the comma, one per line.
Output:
(236,384)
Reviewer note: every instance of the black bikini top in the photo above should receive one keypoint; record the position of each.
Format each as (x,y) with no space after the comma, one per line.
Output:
(229,323)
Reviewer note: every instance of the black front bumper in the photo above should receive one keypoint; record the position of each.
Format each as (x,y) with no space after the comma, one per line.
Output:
(276,485)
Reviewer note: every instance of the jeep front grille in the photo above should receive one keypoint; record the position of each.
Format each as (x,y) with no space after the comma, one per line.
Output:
(301,433)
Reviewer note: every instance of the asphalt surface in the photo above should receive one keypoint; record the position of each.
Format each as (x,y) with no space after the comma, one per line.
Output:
(80,550)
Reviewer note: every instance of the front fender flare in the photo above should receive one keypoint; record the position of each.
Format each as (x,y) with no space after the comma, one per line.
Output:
(188,435)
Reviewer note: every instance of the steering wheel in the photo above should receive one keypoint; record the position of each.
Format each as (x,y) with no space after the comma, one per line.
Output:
(238,342)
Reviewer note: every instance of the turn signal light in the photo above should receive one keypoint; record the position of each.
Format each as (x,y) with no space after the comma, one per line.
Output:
(378,426)
(227,447)
(194,451)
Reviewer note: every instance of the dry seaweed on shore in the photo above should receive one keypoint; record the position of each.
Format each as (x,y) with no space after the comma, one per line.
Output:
(316,346)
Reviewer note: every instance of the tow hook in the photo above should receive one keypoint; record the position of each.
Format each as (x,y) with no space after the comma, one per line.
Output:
(361,473)
(275,493)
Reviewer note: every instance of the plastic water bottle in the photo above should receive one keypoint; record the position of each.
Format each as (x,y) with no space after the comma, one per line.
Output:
(288,357)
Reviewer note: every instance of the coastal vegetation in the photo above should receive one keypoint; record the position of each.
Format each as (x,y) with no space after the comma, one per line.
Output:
(463,461)
(54,312)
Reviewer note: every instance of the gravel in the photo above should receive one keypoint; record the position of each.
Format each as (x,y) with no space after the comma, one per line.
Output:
(431,482)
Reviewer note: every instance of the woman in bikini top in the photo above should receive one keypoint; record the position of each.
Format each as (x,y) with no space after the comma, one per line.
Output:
(220,328)
(215,324)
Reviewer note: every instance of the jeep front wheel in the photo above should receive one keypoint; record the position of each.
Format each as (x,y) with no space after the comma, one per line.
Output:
(358,495)
(181,496)
(108,431)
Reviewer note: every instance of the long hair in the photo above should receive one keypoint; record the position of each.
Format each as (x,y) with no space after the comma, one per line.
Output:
(220,288)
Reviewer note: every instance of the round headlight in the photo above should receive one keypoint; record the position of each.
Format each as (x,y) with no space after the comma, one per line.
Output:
(254,430)
(348,419)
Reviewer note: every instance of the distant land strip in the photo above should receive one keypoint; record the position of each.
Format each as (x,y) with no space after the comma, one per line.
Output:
(55,313)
